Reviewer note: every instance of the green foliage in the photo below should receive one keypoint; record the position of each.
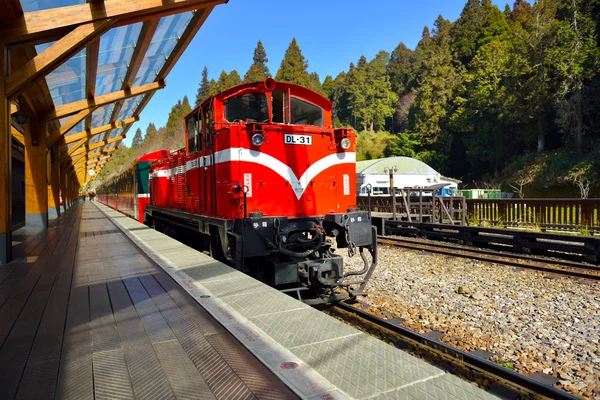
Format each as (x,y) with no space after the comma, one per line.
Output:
(402,68)
(294,68)
(258,70)
(370,96)
(499,96)
(372,145)
(226,81)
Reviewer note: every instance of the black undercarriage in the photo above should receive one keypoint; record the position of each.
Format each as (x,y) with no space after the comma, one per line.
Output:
(296,255)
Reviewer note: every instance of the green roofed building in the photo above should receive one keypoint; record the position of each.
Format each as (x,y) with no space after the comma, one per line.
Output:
(407,173)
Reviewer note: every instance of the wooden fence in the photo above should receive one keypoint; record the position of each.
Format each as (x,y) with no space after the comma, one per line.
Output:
(413,206)
(575,215)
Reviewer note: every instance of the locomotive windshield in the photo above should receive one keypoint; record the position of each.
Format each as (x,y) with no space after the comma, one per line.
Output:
(305,113)
(247,108)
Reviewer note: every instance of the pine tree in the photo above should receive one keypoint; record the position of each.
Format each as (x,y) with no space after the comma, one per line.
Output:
(294,67)
(234,79)
(381,99)
(479,21)
(356,83)
(328,87)
(403,67)
(150,133)
(315,83)
(258,70)
(204,88)
(223,82)
(137,139)
(438,80)
(574,58)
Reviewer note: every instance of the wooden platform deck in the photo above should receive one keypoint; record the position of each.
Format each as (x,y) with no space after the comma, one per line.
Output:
(85,314)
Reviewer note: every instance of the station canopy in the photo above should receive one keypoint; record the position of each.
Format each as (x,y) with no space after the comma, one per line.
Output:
(399,165)
(89,68)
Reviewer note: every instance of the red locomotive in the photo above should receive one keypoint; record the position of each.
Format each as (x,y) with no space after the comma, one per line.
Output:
(267,180)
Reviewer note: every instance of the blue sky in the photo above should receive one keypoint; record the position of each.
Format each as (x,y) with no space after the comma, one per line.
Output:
(331,34)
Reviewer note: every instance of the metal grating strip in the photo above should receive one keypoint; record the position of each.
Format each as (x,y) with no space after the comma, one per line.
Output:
(219,376)
(147,376)
(257,377)
(156,327)
(104,331)
(111,379)
(181,372)
(205,323)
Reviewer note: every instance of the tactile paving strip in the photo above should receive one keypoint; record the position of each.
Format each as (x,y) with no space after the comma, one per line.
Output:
(363,366)
(260,303)
(445,387)
(284,327)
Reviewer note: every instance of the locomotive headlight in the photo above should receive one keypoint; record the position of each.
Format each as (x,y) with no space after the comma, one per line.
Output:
(345,143)
(236,188)
(258,139)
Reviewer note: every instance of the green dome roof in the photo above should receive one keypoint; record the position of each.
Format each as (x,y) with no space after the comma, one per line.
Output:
(404,166)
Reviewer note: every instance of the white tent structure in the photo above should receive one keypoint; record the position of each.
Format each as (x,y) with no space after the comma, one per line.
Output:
(407,173)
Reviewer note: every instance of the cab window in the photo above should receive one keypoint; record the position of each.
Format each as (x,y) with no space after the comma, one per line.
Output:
(192,135)
(247,108)
(305,113)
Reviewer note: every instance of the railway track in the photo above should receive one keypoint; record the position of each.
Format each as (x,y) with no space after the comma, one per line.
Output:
(559,267)
(502,375)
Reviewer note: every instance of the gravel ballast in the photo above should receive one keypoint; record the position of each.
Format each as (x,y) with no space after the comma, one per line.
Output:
(530,322)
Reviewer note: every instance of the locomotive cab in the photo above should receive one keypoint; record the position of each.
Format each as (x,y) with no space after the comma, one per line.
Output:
(271,183)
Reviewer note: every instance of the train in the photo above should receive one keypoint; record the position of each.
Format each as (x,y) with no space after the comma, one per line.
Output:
(266,184)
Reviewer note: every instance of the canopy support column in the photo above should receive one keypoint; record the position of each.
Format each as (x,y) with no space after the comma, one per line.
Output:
(53,184)
(36,189)
(5,163)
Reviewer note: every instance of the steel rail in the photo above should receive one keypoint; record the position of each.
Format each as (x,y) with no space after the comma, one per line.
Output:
(461,357)
(495,257)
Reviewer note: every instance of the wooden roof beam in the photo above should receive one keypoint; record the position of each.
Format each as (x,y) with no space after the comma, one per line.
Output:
(106,142)
(77,106)
(141,48)
(101,129)
(33,25)
(63,130)
(91,67)
(55,55)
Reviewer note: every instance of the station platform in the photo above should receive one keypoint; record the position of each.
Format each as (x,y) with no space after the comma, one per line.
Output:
(101,306)
(85,314)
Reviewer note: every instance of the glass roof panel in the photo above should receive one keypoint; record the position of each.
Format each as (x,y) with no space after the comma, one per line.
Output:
(80,127)
(116,133)
(96,138)
(129,106)
(70,145)
(95,151)
(111,146)
(101,116)
(116,49)
(37,5)
(67,82)
(165,38)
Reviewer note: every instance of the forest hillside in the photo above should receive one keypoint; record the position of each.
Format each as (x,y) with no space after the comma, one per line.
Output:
(502,97)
